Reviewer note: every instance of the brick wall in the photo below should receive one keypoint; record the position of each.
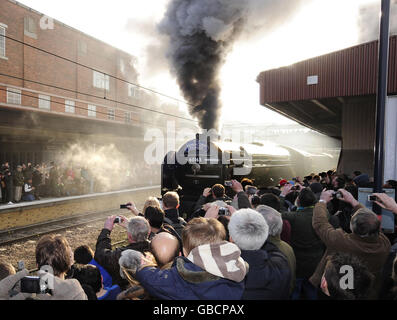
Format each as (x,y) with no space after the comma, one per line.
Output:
(30,64)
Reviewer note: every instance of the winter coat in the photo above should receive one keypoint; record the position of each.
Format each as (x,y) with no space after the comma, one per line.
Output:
(109,259)
(372,251)
(307,245)
(288,252)
(203,200)
(186,280)
(269,275)
(18,179)
(177,223)
(36,178)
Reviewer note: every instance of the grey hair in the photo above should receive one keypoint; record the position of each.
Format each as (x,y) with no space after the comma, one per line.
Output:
(248,229)
(273,219)
(139,229)
(130,259)
(365,223)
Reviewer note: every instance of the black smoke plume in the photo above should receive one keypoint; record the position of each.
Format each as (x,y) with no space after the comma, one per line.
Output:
(202,32)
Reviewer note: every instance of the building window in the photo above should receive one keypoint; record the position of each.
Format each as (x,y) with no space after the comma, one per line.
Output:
(69,106)
(133,91)
(13,96)
(3,40)
(111,115)
(91,110)
(127,117)
(101,81)
(30,27)
(44,102)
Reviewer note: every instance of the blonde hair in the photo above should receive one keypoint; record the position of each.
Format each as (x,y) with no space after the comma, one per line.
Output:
(151,202)
(201,231)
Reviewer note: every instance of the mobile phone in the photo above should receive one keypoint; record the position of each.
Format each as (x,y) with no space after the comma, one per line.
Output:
(21,265)
(252,190)
(372,198)
(228,183)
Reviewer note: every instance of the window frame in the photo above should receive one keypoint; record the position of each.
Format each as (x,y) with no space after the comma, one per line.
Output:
(111,114)
(70,106)
(12,93)
(47,100)
(91,110)
(127,116)
(136,90)
(28,23)
(101,80)
(3,41)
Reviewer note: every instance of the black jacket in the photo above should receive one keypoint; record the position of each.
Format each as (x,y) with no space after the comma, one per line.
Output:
(269,274)
(203,200)
(36,178)
(308,247)
(109,259)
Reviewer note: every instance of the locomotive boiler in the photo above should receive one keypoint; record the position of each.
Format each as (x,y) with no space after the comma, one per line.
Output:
(203,162)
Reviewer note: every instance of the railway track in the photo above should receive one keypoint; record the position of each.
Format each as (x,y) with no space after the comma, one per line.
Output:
(25,233)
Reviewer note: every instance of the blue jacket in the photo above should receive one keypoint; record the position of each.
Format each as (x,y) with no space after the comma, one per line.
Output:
(106,277)
(269,274)
(187,281)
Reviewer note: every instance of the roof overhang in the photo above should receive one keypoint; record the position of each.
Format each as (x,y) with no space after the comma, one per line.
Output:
(313,92)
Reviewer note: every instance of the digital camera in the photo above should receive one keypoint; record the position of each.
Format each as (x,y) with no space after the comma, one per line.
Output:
(228,183)
(223,211)
(32,284)
(337,195)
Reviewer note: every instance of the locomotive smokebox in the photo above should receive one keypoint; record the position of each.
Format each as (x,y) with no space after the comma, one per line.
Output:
(206,160)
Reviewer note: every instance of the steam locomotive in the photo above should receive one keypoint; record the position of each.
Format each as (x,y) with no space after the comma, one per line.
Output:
(204,161)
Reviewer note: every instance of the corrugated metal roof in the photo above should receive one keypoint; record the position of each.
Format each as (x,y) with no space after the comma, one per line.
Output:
(349,72)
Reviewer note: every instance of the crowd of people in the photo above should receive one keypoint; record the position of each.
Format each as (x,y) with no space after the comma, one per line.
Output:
(32,182)
(300,240)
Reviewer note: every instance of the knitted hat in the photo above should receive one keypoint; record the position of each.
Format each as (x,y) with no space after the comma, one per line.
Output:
(220,259)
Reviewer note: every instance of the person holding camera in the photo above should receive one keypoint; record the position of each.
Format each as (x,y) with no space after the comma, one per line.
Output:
(366,241)
(54,258)
(215,193)
(308,247)
(138,230)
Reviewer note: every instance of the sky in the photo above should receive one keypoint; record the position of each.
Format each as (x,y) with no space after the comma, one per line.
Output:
(322,26)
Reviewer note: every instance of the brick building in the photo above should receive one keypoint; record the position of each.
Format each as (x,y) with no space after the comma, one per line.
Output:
(59,85)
